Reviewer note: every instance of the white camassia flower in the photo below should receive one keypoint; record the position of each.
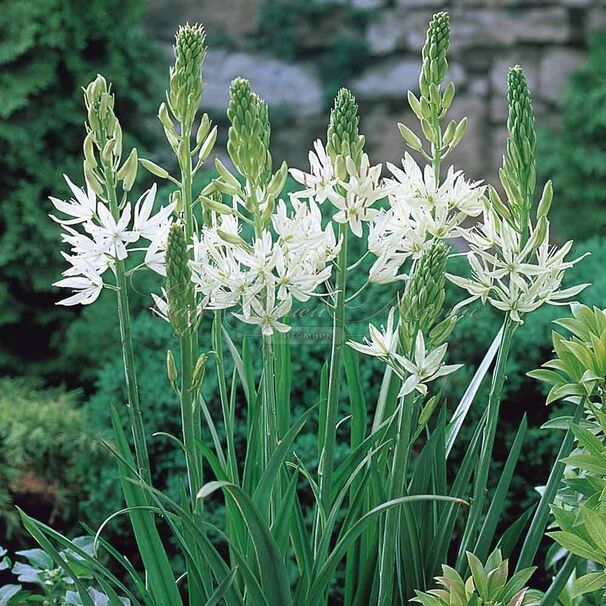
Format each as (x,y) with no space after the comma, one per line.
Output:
(425,368)
(266,314)
(321,179)
(112,235)
(262,277)
(81,208)
(353,195)
(382,343)
(415,374)
(513,278)
(361,191)
(149,226)
(101,239)
(88,287)
(420,212)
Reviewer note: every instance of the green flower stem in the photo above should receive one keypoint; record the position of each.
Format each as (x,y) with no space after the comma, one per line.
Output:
(189,345)
(397,477)
(128,355)
(188,416)
(437,149)
(488,436)
(190,412)
(271,429)
(555,589)
(334,378)
(541,515)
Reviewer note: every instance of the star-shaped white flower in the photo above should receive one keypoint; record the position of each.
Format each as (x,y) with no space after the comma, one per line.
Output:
(88,286)
(81,208)
(111,234)
(382,343)
(266,314)
(425,368)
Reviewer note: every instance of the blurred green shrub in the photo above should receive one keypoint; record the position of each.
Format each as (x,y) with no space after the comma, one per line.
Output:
(49,49)
(575,155)
(50,456)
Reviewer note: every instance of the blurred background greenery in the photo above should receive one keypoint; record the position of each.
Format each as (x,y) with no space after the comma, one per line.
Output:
(61,368)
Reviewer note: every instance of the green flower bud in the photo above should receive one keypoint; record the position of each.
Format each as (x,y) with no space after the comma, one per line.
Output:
(545,201)
(154,168)
(179,287)
(411,139)
(203,129)
(440,332)
(171,367)
(92,180)
(185,92)
(343,137)
(434,53)
(208,144)
(89,152)
(415,105)
(423,296)
(226,177)
(199,369)
(520,122)
(249,133)
(519,164)
(128,172)
(278,181)
(103,125)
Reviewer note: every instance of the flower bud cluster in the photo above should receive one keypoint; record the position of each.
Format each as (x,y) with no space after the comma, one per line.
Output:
(421,304)
(185,91)
(179,287)
(518,175)
(343,138)
(103,143)
(249,133)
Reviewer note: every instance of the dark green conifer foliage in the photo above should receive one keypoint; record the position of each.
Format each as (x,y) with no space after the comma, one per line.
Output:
(49,49)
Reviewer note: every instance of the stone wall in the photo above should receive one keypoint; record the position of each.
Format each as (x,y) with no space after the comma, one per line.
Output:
(547,37)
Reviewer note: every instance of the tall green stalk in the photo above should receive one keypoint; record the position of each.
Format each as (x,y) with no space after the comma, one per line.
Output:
(128,355)
(334,378)
(488,436)
(189,337)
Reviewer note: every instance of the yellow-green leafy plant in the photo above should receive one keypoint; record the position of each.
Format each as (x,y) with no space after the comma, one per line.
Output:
(376,525)
(489,584)
(578,375)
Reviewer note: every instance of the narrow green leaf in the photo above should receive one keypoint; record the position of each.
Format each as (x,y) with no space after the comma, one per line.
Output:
(262,494)
(160,577)
(499,497)
(273,574)
(462,409)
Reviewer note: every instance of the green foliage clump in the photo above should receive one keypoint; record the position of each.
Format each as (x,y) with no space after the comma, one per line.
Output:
(489,584)
(575,155)
(49,452)
(48,50)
